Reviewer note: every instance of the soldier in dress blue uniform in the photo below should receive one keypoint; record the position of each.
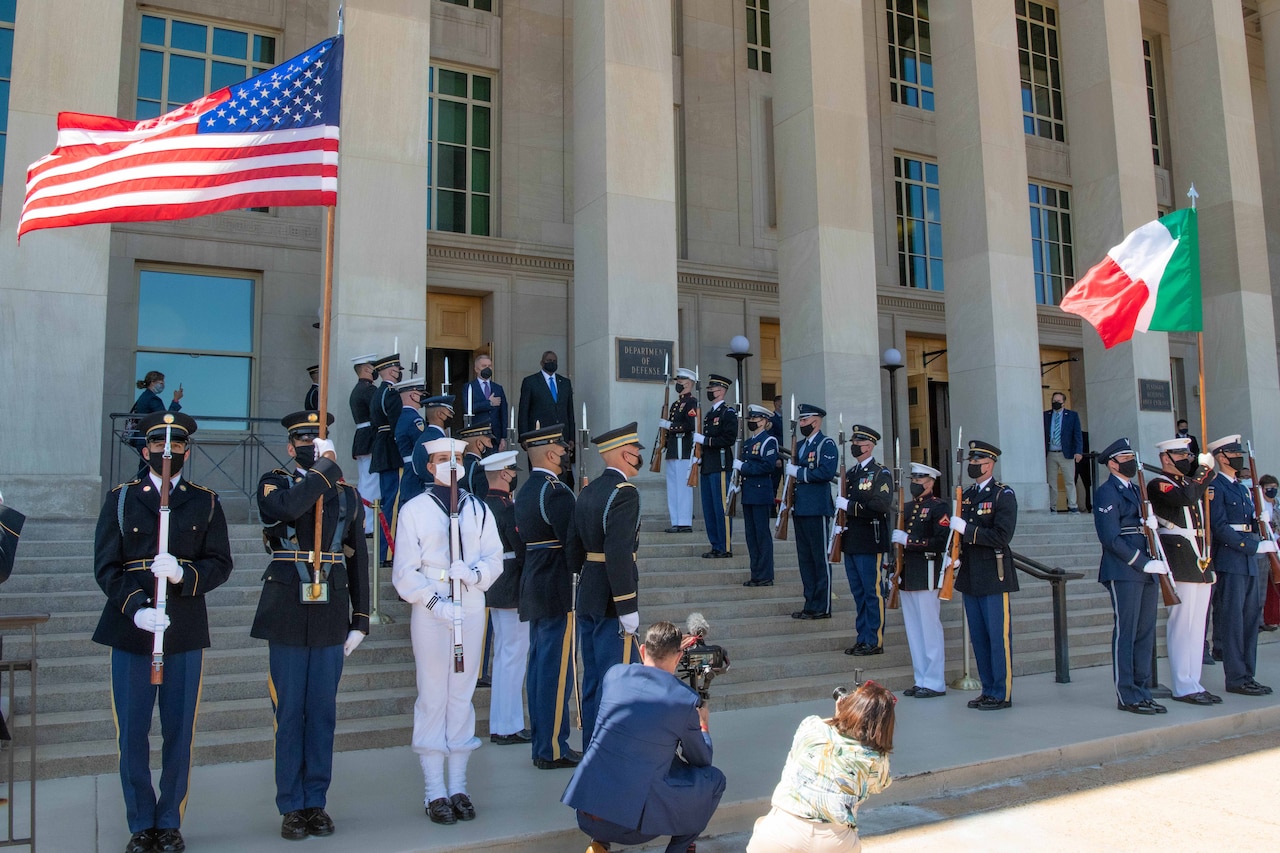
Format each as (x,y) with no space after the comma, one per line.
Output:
(480,442)
(362,441)
(385,459)
(409,433)
(1175,497)
(815,466)
(681,423)
(868,494)
(985,523)
(11,522)
(756,467)
(312,398)
(719,432)
(1236,544)
(436,411)
(309,629)
(1128,572)
(128,567)
(553,556)
(926,528)
(608,521)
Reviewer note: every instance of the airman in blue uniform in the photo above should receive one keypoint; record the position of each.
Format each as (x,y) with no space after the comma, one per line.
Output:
(409,433)
(815,466)
(756,467)
(436,411)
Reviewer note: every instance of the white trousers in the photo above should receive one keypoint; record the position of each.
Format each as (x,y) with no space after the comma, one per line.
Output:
(369,489)
(444,719)
(921,614)
(1185,634)
(679,492)
(782,832)
(510,658)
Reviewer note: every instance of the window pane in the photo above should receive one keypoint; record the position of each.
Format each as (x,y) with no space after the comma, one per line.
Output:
(451,211)
(766,62)
(480,215)
(187,36)
(146,109)
(152,30)
(189,312)
(264,50)
(213,386)
(226,74)
(480,127)
(453,122)
(766,38)
(150,73)
(452,83)
(752,61)
(752,36)
(6,52)
(4,111)
(186,79)
(935,275)
(230,43)
(452,168)
(483,5)
(480,171)
(480,88)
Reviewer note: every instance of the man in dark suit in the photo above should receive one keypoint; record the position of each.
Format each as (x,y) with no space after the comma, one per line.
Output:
(488,396)
(547,398)
(1194,447)
(632,786)
(1063,448)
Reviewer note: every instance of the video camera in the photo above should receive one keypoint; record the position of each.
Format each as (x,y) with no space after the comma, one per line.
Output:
(841,691)
(700,662)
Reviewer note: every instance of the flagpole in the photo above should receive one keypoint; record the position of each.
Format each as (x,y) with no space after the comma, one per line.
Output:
(316,545)
(1204,418)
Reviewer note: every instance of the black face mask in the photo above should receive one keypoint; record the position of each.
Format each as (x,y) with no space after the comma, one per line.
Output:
(711,397)
(975,470)
(1184,466)
(1057,404)
(1128,468)
(304,455)
(682,390)
(917,489)
(806,430)
(1270,492)
(1235,463)
(550,366)
(487,373)
(156,461)
(755,425)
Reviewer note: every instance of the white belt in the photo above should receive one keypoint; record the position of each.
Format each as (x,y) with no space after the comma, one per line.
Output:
(363,424)
(508,555)
(408,460)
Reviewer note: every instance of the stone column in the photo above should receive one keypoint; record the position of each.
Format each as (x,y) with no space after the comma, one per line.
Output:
(992,334)
(624,223)
(826,229)
(380,272)
(1215,147)
(53,288)
(1113,181)
(1269,16)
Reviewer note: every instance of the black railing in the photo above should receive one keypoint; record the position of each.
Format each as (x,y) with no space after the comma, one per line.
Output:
(1057,579)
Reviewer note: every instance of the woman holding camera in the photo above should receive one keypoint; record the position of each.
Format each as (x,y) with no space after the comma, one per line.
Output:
(834,765)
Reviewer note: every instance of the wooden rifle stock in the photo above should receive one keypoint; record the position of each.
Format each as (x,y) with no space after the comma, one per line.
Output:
(660,443)
(1167,591)
(948,587)
(695,470)
(788,496)
(835,555)
(895,594)
(1264,528)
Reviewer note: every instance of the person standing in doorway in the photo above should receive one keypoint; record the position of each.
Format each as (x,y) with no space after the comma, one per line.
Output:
(1063,448)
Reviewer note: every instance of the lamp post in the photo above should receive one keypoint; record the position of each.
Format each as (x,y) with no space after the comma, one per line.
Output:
(739,351)
(892,362)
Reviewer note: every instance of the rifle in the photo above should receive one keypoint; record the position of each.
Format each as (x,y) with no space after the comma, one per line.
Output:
(948,586)
(735,482)
(1154,546)
(895,594)
(584,439)
(162,585)
(1264,527)
(660,443)
(789,486)
(455,552)
(836,546)
(695,470)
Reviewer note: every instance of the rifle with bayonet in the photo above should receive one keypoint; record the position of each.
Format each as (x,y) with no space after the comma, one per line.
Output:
(895,594)
(1264,526)
(948,585)
(789,485)
(735,482)
(660,443)
(455,553)
(1154,546)
(580,458)
(836,545)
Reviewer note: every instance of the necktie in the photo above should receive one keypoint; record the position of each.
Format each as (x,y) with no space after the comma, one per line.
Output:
(551,381)
(485,387)
(1055,433)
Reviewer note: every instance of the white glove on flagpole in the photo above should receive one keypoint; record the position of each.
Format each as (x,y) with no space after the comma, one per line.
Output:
(793,471)
(460,571)
(1267,547)
(165,566)
(324,447)
(958,524)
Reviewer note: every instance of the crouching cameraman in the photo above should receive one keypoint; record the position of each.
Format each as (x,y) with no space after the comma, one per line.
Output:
(648,769)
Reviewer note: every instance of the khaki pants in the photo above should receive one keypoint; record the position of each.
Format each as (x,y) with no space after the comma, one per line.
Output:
(783,832)
(1054,463)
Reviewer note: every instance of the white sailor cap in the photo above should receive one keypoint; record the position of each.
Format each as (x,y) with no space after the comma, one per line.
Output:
(499,461)
(411,383)
(756,409)
(445,445)
(367,358)
(1227,444)
(919,469)
(686,373)
(1173,444)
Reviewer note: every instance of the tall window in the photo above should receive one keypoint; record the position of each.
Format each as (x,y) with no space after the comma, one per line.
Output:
(482,5)
(1039,63)
(919,223)
(8,8)
(759,40)
(910,53)
(197,328)
(179,61)
(1051,255)
(1149,65)
(460,169)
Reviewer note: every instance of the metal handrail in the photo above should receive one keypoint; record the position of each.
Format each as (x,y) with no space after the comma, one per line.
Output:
(19,622)
(1057,579)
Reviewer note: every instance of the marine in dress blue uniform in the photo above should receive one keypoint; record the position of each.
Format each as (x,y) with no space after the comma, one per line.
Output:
(607,517)
(755,467)
(362,441)
(926,528)
(309,634)
(553,556)
(868,490)
(127,566)
(681,423)
(815,466)
(719,432)
(1236,546)
(1128,572)
(986,520)
(409,432)
(385,459)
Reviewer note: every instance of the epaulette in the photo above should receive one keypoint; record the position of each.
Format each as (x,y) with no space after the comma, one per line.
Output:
(626,484)
(124,485)
(281,472)
(201,488)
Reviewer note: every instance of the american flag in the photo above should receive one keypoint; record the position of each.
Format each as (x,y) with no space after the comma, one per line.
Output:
(269,141)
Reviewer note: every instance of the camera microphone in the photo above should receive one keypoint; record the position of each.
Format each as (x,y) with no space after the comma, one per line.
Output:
(697,626)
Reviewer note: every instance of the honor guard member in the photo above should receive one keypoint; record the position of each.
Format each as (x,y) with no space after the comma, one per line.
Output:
(1236,544)
(719,432)
(409,433)
(362,441)
(924,541)
(1175,497)
(868,493)
(608,521)
(444,718)
(479,439)
(813,469)
(985,523)
(553,556)
(385,459)
(681,423)
(309,627)
(127,568)
(312,399)
(1128,572)
(11,522)
(502,599)
(436,412)
(759,458)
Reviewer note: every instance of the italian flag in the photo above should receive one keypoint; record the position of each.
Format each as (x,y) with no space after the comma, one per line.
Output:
(1150,282)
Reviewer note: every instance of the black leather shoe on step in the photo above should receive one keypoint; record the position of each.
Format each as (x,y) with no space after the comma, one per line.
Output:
(169,841)
(1136,708)
(869,650)
(1265,689)
(910,691)
(707,555)
(722,555)
(293,826)
(1213,697)
(1156,706)
(855,649)
(1194,699)
(992,704)
(1247,689)
(522,736)
(926,693)
(462,807)
(441,811)
(973,703)
(564,762)
(319,823)
(141,842)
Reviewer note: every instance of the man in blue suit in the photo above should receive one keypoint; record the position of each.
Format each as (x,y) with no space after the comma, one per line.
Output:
(488,396)
(1128,572)
(631,786)
(1063,448)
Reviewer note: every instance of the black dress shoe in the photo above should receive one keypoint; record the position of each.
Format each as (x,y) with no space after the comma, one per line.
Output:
(868,649)
(1216,654)
(319,823)
(801,614)
(926,693)
(141,842)
(721,555)
(385,564)
(826,615)
(511,739)
(1265,689)
(462,807)
(293,826)
(564,762)
(1207,660)
(1155,706)
(1213,697)
(675,528)
(992,704)
(714,552)
(441,811)
(169,841)
(1269,627)
(973,703)
(1136,708)
(483,682)
(1194,699)
(1247,689)
(855,649)
(751,582)
(910,691)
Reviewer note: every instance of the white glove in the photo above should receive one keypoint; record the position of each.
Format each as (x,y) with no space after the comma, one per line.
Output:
(150,620)
(958,524)
(460,571)
(1265,515)
(899,537)
(664,424)
(793,471)
(1152,522)
(737,464)
(1206,459)
(442,611)
(1267,547)
(354,639)
(699,438)
(842,503)
(630,622)
(946,561)
(324,447)
(165,566)
(1156,567)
